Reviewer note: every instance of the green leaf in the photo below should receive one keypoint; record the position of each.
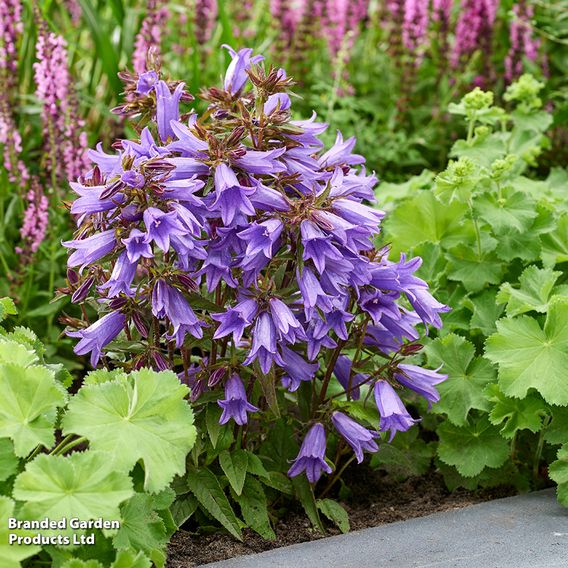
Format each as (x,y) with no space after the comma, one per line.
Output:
(255,466)
(514,211)
(142,528)
(28,406)
(513,244)
(473,272)
(422,219)
(144,417)
(457,181)
(516,413)
(557,430)
(183,508)
(335,513)
(531,357)
(12,554)
(234,465)
(8,460)
(205,486)
(486,311)
(78,563)
(279,481)
(305,494)
(7,308)
(212,416)
(99,376)
(254,508)
(536,285)
(473,447)
(16,353)
(467,377)
(558,472)
(83,483)
(555,243)
(131,559)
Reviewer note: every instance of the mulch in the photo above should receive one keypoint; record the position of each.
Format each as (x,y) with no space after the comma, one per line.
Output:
(376,499)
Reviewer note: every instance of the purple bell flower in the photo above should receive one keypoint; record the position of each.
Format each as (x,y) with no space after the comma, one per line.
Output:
(318,248)
(161,227)
(236,75)
(312,292)
(96,336)
(421,381)
(90,249)
(297,369)
(355,435)
(264,344)
(121,278)
(342,371)
(232,199)
(285,321)
(261,237)
(136,246)
(235,320)
(235,405)
(167,108)
(311,457)
(146,82)
(394,416)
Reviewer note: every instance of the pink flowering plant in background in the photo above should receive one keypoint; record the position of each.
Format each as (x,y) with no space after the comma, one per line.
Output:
(234,249)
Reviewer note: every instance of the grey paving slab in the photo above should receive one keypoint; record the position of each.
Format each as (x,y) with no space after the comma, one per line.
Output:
(528,531)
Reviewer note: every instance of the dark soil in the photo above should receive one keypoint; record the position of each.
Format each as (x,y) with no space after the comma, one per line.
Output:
(376,500)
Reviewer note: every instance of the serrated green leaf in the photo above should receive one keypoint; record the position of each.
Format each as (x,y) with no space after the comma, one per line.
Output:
(279,481)
(8,460)
(17,354)
(144,417)
(557,430)
(205,486)
(514,210)
(7,308)
(473,447)
(558,472)
(12,554)
(142,528)
(84,483)
(183,508)
(486,311)
(555,243)
(475,273)
(516,413)
(99,376)
(131,559)
(531,357)
(305,494)
(254,508)
(467,377)
(513,244)
(28,406)
(335,513)
(536,286)
(234,465)
(255,466)
(78,563)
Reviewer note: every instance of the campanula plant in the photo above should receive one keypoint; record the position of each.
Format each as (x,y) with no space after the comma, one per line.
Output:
(235,250)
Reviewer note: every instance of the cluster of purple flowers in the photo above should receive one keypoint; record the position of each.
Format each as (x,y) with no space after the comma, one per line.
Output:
(236,235)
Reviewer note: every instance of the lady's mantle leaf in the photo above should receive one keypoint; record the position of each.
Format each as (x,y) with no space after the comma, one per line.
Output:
(531,357)
(142,417)
(28,406)
(12,554)
(84,483)
(473,447)
(467,377)
(558,471)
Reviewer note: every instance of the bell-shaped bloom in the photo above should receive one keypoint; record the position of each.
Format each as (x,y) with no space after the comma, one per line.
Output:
(235,320)
(187,143)
(277,101)
(136,246)
(426,306)
(312,292)
(285,321)
(121,277)
(318,248)
(261,237)
(167,108)
(264,343)
(421,381)
(96,336)
(160,227)
(340,153)
(90,249)
(256,162)
(311,457)
(355,435)
(297,369)
(90,199)
(232,199)
(394,416)
(236,75)
(342,371)
(235,405)
(146,82)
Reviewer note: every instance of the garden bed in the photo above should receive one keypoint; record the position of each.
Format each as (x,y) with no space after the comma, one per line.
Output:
(376,500)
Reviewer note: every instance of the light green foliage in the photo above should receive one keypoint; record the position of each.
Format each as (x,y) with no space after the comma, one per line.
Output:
(559,472)
(493,239)
(531,357)
(335,513)
(142,417)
